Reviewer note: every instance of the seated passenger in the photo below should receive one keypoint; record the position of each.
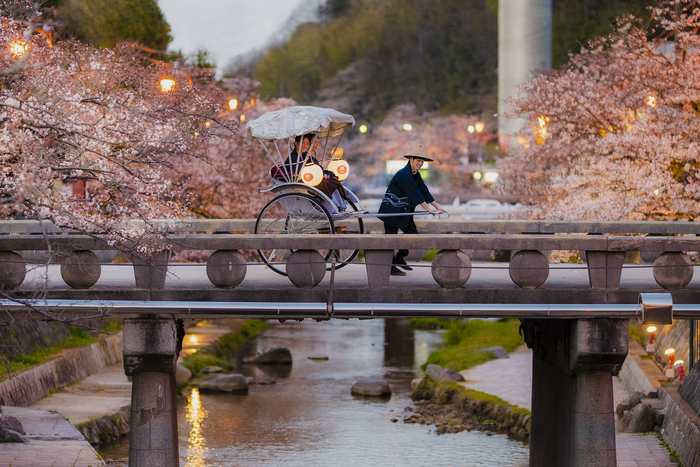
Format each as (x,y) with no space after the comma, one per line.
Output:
(330,185)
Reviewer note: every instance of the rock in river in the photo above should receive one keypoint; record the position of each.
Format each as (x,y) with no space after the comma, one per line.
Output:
(439,373)
(279,356)
(371,387)
(182,376)
(318,356)
(235,384)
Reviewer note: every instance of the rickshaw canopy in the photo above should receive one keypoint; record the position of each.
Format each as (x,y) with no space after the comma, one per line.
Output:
(298,120)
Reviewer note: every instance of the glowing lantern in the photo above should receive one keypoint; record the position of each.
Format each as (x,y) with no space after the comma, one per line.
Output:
(470,128)
(311,174)
(651,347)
(651,101)
(233,104)
(479,127)
(167,84)
(340,168)
(207,123)
(363,129)
(407,126)
(477,175)
(18,48)
(252,102)
(242,118)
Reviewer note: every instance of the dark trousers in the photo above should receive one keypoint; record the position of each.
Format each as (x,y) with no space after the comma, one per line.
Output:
(400,257)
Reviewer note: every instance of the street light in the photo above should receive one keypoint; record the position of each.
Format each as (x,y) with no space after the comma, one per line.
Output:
(233,104)
(363,129)
(670,371)
(242,118)
(490,177)
(470,128)
(479,127)
(407,126)
(651,101)
(652,335)
(477,175)
(18,48)
(167,84)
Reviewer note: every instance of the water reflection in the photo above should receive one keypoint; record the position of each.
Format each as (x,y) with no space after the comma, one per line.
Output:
(195,415)
(308,417)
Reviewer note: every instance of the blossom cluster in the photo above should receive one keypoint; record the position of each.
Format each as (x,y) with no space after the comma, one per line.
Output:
(615,134)
(91,138)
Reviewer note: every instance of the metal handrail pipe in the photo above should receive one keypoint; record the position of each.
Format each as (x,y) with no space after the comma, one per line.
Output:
(182,308)
(318,310)
(686,311)
(558,311)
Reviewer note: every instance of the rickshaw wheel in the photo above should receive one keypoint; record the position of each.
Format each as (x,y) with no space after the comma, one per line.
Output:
(292,213)
(349,225)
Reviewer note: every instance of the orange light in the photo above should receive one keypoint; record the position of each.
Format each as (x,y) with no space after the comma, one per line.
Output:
(340,168)
(651,328)
(18,48)
(479,127)
(651,101)
(207,123)
(233,104)
(167,85)
(252,102)
(242,117)
(669,351)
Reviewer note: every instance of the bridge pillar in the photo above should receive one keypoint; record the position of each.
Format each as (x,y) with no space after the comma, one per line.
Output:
(150,352)
(573,363)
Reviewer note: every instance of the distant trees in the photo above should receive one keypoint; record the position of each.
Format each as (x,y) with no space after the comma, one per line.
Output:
(614,135)
(437,54)
(105,22)
(440,55)
(575,22)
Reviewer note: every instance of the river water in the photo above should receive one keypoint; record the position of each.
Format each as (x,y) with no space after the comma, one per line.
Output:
(309,418)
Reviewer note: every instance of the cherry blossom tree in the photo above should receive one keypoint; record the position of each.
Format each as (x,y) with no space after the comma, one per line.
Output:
(446,139)
(227,184)
(614,135)
(114,120)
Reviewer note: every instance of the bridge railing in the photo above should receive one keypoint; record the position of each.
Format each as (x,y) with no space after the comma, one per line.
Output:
(604,243)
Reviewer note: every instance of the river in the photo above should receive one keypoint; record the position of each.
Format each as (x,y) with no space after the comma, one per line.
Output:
(309,418)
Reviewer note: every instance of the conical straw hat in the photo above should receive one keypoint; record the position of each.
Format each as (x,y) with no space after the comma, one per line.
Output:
(420,153)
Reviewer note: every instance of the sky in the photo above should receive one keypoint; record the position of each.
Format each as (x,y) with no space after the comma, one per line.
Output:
(226,28)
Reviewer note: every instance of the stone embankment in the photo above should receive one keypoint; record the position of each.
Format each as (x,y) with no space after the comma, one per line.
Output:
(107,428)
(453,408)
(25,388)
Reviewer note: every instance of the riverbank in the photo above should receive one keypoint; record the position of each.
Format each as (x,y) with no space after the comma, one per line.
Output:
(53,442)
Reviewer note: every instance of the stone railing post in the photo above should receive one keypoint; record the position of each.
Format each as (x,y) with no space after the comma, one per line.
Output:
(150,355)
(573,363)
(378,264)
(151,274)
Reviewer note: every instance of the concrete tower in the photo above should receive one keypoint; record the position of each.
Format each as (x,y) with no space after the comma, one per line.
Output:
(524,45)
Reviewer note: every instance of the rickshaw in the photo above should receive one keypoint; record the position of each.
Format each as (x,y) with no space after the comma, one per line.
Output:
(298,206)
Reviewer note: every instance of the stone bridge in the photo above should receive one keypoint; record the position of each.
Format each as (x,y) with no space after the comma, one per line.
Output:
(574,316)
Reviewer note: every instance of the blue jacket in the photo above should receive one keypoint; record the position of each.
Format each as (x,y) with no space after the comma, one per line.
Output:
(406,191)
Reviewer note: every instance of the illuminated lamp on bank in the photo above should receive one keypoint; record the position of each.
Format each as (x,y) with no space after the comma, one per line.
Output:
(311,174)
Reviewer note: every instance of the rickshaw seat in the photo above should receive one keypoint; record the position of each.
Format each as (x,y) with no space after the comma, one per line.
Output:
(281,172)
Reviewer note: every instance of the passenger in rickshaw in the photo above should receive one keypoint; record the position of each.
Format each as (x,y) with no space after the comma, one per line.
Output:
(330,185)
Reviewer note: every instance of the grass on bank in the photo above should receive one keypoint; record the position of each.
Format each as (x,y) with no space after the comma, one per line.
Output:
(223,347)
(427,387)
(77,337)
(464,338)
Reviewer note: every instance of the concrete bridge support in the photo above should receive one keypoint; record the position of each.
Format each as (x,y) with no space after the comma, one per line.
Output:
(151,346)
(573,364)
